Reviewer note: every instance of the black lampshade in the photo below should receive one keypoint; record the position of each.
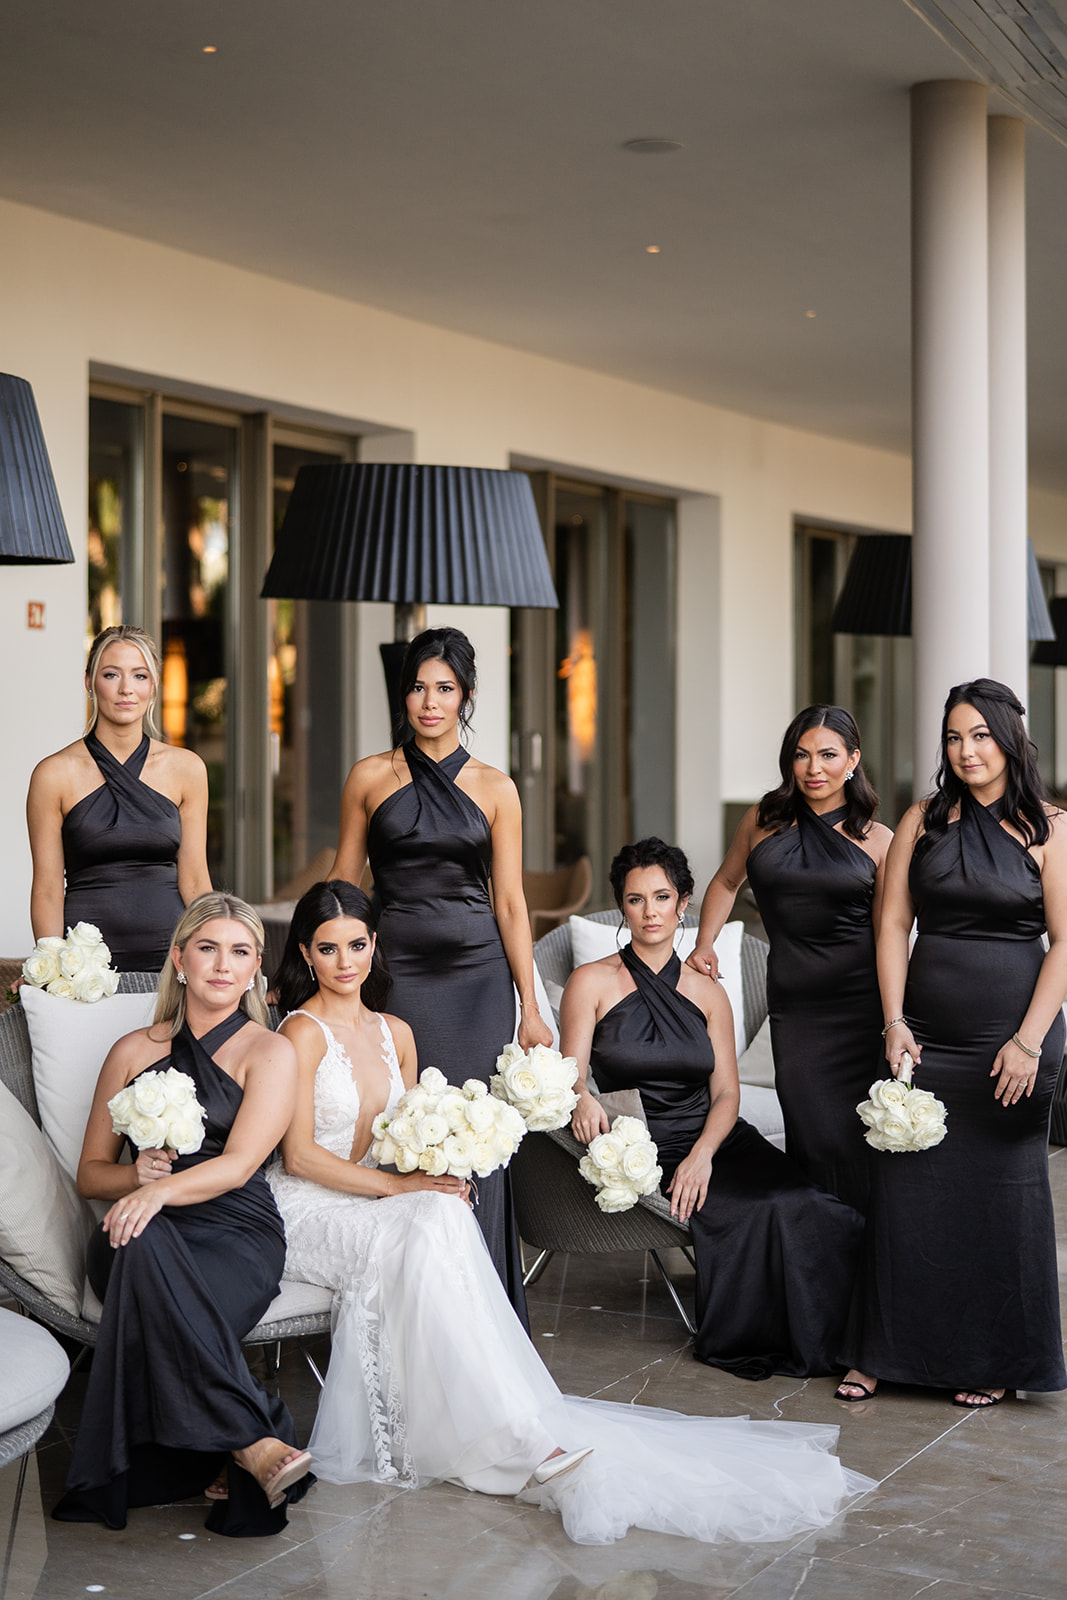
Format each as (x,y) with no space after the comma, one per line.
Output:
(32,530)
(1053,652)
(876,594)
(415,534)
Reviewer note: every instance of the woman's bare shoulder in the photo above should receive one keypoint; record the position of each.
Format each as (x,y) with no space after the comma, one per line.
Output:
(54,770)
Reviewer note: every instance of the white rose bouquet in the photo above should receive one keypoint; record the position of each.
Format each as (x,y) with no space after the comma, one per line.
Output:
(76,968)
(622,1165)
(159,1111)
(437,1129)
(538,1083)
(900,1117)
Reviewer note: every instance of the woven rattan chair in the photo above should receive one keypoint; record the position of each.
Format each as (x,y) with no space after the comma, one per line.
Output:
(298,1312)
(555,1208)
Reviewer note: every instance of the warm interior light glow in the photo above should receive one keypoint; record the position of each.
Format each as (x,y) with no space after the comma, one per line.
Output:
(809,313)
(652,249)
(175,692)
(210,49)
(578,671)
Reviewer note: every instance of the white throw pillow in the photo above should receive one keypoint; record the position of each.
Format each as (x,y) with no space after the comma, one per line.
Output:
(44,1222)
(70,1041)
(549,1013)
(591,941)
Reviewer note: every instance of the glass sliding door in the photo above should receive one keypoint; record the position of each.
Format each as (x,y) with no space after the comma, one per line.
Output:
(593,720)
(197,636)
(116,512)
(306,676)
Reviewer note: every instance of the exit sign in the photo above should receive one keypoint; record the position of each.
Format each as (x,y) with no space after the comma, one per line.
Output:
(35,614)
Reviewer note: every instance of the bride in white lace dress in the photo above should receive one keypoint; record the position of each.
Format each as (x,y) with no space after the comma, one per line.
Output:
(431,1375)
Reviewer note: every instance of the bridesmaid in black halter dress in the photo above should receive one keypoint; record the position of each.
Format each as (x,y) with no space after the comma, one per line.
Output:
(775,1256)
(814,858)
(120,815)
(438,826)
(190,1254)
(960,1288)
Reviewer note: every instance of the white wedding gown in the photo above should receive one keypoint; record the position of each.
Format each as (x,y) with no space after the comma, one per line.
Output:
(431,1376)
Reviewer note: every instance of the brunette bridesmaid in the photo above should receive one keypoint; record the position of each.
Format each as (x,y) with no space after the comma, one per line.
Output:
(815,858)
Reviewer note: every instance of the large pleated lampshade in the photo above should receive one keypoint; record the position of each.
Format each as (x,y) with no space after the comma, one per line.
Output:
(32,530)
(411,534)
(875,597)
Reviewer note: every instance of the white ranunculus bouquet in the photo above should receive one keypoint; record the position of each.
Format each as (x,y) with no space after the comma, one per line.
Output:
(438,1129)
(622,1165)
(160,1111)
(75,968)
(538,1083)
(899,1117)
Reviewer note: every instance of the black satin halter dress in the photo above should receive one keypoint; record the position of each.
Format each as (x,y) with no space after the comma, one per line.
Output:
(170,1393)
(431,852)
(775,1256)
(959,1286)
(815,891)
(120,851)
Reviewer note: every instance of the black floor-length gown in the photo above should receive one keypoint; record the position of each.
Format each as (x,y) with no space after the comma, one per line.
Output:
(959,1286)
(120,851)
(170,1393)
(815,890)
(431,851)
(775,1256)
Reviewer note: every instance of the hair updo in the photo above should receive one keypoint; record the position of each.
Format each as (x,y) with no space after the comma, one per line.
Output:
(651,852)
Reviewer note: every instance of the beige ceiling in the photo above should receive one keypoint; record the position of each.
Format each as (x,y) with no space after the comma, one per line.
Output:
(460,161)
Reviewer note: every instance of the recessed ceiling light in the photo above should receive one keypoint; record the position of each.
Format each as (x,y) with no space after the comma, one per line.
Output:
(209,49)
(652,249)
(809,313)
(653,147)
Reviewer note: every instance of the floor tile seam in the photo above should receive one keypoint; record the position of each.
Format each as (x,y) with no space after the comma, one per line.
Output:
(970,1584)
(633,1374)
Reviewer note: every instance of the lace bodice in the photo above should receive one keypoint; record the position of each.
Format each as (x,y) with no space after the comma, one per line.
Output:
(336,1094)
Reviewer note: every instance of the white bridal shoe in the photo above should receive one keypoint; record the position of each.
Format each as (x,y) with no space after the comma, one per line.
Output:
(556,1466)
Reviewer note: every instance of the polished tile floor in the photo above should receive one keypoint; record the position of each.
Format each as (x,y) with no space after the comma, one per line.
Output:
(968,1504)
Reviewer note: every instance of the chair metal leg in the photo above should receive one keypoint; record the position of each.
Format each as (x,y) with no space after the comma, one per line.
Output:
(309,1358)
(672,1291)
(531,1276)
(16,1507)
(272,1359)
(689,1256)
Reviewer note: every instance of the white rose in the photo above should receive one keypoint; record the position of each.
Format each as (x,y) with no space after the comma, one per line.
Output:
(434,1162)
(417,1102)
(523,1082)
(110,981)
(927,1115)
(896,1131)
(889,1093)
(41,968)
(149,1095)
(631,1130)
(431,1128)
(512,1123)
(406,1160)
(85,933)
(475,1089)
(97,955)
(508,1055)
(504,1146)
(459,1153)
(606,1151)
(52,942)
(385,1152)
(547,1118)
(179,1090)
(433,1080)
(379,1125)
(589,1170)
(185,1133)
(614,1198)
(72,960)
(485,1159)
(120,1105)
(89,986)
(481,1114)
(61,987)
(453,1108)
(638,1161)
(147,1133)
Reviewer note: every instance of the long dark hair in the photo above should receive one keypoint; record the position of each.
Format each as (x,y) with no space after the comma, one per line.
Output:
(1025,797)
(651,852)
(456,651)
(778,808)
(323,902)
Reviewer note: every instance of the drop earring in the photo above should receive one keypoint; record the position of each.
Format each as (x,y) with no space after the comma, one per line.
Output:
(850,774)
(181,979)
(250,985)
(314,975)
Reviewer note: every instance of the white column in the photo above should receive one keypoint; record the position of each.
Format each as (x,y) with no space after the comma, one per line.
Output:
(1009,650)
(950,400)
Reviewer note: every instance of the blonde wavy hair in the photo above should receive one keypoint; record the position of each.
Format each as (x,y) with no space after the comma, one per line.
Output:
(125,633)
(171,995)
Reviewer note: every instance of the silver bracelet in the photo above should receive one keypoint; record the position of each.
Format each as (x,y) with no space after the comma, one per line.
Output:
(1035,1055)
(894,1024)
